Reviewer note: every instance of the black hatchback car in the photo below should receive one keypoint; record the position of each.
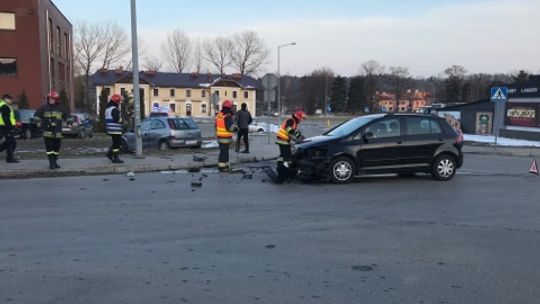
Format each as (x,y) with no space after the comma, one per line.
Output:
(382,143)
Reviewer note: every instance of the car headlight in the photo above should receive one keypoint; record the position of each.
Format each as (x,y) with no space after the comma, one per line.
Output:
(316,153)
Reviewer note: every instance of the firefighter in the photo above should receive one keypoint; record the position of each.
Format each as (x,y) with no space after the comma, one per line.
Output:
(7,124)
(113,119)
(287,133)
(224,134)
(50,117)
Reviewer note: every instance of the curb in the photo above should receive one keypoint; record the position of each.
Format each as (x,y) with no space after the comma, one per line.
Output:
(117,169)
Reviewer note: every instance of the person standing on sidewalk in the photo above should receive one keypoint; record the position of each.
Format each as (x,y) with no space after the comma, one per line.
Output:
(224,134)
(7,124)
(113,121)
(51,116)
(287,133)
(243,120)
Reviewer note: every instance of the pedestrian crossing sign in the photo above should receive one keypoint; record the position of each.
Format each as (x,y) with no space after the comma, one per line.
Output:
(499,94)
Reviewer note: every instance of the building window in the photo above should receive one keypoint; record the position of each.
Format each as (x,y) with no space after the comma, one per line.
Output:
(225,93)
(234,94)
(53,74)
(188,109)
(172,107)
(246,95)
(107,91)
(66,46)
(7,21)
(216,92)
(122,91)
(8,66)
(172,92)
(51,37)
(203,108)
(156,92)
(188,93)
(58,43)
(203,93)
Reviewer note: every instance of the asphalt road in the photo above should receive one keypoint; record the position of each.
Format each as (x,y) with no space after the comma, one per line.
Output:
(106,239)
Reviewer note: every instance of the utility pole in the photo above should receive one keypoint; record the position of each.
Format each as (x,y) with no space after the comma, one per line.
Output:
(280,107)
(136,90)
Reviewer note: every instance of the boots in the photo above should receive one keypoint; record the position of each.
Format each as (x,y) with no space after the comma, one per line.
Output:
(116,159)
(52,164)
(55,159)
(110,155)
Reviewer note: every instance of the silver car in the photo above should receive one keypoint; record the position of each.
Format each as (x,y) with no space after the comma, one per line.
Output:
(165,133)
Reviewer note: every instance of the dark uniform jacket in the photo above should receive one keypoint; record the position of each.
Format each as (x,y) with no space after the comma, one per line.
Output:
(243,119)
(50,117)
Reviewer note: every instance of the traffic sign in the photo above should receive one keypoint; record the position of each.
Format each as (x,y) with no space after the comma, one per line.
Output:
(499,94)
(269,81)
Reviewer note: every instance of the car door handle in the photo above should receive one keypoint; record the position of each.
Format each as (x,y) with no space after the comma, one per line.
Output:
(399,142)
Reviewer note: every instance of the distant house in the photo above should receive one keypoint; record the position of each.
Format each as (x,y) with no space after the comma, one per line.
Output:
(410,102)
(182,94)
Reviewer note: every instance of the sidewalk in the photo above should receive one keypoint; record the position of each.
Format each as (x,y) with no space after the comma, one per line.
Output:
(261,150)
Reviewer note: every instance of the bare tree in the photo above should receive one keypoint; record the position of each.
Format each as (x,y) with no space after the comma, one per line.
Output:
(371,70)
(152,63)
(117,44)
(89,47)
(218,53)
(177,50)
(198,56)
(249,52)
(400,80)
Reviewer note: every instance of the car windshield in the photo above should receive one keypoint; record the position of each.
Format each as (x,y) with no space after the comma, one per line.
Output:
(351,125)
(182,124)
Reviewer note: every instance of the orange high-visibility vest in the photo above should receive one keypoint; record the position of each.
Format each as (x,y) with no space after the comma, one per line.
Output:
(221,127)
(283,132)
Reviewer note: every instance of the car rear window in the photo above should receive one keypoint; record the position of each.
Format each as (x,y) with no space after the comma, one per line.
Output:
(182,124)
(422,126)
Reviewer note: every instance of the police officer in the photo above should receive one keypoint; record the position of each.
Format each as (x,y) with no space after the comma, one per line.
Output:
(51,116)
(7,124)
(287,133)
(113,120)
(224,134)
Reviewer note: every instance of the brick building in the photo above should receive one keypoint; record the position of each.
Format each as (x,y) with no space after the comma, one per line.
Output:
(36,53)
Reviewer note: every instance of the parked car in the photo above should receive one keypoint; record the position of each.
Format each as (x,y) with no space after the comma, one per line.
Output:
(27,127)
(165,133)
(257,127)
(382,143)
(79,126)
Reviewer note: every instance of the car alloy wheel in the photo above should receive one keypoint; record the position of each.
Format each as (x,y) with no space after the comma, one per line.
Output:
(444,168)
(342,170)
(163,145)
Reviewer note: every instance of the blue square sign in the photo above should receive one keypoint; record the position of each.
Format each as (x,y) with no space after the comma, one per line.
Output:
(499,94)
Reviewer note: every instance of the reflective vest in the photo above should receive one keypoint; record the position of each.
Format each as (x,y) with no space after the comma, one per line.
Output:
(283,134)
(222,133)
(11,115)
(113,127)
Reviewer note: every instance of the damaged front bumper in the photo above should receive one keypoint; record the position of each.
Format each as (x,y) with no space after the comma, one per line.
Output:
(311,166)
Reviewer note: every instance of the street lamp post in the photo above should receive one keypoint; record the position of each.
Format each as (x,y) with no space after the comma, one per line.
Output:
(280,107)
(136,90)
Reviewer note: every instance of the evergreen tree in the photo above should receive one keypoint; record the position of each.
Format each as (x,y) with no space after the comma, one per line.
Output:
(339,95)
(357,100)
(103,100)
(64,100)
(23,101)
(454,83)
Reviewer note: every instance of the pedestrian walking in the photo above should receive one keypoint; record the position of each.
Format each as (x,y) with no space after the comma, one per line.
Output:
(7,126)
(224,133)
(113,120)
(243,120)
(287,133)
(50,117)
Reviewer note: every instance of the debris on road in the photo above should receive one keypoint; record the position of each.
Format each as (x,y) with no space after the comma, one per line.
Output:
(197,184)
(194,170)
(247,176)
(199,158)
(211,144)
(131,175)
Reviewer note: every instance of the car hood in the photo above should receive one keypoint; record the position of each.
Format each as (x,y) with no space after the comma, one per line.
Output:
(318,141)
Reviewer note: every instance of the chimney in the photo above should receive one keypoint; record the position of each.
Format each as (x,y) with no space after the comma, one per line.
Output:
(150,73)
(194,75)
(119,70)
(236,76)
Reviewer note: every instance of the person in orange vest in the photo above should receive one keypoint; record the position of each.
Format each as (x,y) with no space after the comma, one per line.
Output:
(224,134)
(287,133)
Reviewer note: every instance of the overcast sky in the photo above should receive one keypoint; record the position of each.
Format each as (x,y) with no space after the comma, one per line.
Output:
(426,36)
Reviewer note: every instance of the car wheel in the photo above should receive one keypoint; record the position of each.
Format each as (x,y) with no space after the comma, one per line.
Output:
(163,145)
(27,134)
(342,170)
(260,130)
(443,168)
